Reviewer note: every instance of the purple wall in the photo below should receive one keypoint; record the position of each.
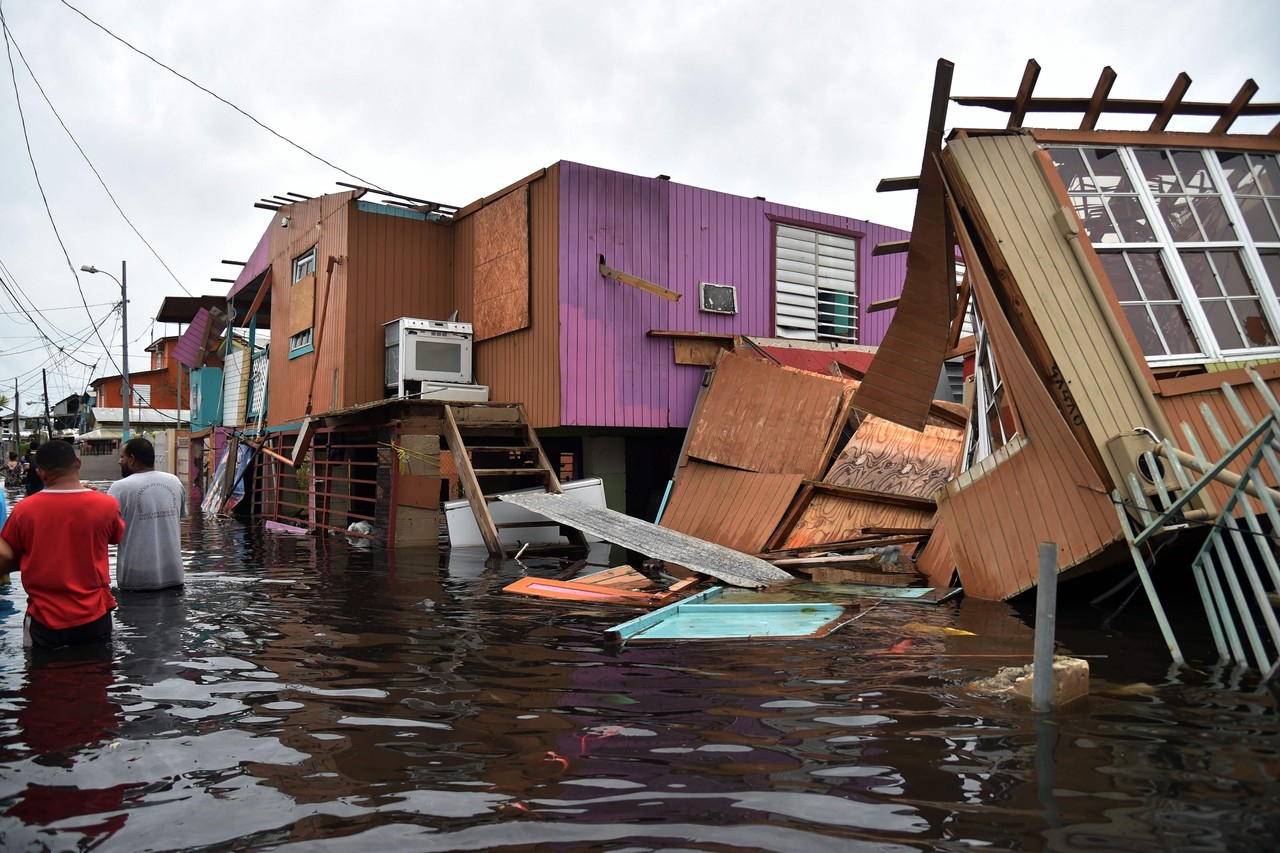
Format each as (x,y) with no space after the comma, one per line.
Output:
(676,236)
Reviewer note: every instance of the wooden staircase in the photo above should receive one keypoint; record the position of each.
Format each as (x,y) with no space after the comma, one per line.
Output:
(496,450)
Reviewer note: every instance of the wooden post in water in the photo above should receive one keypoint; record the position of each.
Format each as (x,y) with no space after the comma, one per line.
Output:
(1046,617)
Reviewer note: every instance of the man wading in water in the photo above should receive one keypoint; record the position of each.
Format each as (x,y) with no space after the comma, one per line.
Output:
(58,539)
(150,555)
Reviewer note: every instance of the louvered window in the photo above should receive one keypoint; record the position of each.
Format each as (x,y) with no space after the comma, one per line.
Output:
(816,284)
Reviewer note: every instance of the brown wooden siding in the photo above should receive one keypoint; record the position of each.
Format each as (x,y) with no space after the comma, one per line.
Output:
(1186,408)
(320,222)
(1044,490)
(1013,206)
(737,509)
(398,267)
(523,366)
(389,267)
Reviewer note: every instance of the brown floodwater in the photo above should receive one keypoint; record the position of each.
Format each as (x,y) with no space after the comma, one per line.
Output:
(301,693)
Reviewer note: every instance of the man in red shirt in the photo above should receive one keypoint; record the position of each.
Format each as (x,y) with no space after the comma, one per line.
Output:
(58,539)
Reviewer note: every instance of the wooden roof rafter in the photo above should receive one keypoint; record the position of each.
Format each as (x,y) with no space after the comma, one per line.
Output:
(1101,102)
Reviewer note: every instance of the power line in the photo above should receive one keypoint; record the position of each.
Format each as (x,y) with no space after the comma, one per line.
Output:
(242,112)
(92,168)
(26,138)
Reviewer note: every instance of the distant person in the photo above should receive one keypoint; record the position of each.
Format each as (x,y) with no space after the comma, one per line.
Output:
(33,481)
(58,539)
(13,471)
(152,502)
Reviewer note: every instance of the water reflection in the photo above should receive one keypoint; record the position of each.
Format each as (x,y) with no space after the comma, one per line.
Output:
(299,691)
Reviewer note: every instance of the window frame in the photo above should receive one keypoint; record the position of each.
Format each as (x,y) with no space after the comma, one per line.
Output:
(1197,309)
(790,298)
(303,266)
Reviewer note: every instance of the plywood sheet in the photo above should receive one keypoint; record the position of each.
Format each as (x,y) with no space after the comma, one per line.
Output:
(302,304)
(417,490)
(501,257)
(737,509)
(883,456)
(760,417)
(837,518)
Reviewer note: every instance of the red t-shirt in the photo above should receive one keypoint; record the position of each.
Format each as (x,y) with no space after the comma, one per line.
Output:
(60,539)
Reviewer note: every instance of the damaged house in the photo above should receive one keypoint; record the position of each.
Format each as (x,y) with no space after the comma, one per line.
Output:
(588,304)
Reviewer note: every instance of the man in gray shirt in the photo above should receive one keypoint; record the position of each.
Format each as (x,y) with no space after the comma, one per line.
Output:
(151,502)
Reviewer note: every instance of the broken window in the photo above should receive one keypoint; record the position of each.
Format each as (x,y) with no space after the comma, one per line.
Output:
(1190,241)
(816,279)
(992,424)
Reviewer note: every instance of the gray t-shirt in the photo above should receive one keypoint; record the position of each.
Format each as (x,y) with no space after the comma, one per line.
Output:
(150,555)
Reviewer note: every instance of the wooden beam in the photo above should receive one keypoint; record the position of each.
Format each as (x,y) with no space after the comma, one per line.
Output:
(962,307)
(1128,106)
(1237,141)
(636,281)
(1172,102)
(882,305)
(900,382)
(1096,103)
(1238,103)
(890,247)
(1019,112)
(892,185)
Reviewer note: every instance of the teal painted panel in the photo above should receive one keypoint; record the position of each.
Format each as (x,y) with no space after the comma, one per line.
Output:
(696,619)
(388,210)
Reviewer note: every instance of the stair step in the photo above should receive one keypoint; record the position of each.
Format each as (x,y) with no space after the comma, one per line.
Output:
(506,472)
(500,448)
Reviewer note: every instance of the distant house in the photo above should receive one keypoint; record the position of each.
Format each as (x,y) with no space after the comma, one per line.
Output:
(597,300)
(157,397)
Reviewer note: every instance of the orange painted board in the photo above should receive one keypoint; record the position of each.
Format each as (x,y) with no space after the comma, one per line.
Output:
(570,591)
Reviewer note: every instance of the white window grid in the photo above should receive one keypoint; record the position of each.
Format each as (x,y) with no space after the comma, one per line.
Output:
(300,340)
(816,285)
(1259,260)
(304,265)
(989,428)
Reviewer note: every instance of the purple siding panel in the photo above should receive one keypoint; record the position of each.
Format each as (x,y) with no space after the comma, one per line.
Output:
(258,261)
(677,236)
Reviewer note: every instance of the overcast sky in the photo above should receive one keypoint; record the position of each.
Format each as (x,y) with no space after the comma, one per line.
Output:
(806,103)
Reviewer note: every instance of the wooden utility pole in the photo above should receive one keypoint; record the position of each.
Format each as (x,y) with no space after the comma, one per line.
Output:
(48,421)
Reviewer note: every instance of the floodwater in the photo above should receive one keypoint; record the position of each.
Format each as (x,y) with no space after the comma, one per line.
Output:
(305,694)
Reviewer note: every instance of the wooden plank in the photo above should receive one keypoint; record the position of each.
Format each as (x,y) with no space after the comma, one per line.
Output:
(891,247)
(471,486)
(302,304)
(636,281)
(1099,98)
(1237,105)
(920,329)
(833,574)
(891,185)
(1171,102)
(886,457)
(1025,90)
(571,591)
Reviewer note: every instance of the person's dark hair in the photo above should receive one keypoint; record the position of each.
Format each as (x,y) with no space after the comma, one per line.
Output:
(33,446)
(13,457)
(142,450)
(56,456)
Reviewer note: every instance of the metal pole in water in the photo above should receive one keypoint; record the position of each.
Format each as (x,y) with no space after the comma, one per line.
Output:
(1046,617)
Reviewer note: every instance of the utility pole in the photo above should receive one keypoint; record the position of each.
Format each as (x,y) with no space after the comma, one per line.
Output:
(125,391)
(48,421)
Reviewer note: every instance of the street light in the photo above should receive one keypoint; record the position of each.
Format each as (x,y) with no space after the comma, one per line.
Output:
(125,390)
